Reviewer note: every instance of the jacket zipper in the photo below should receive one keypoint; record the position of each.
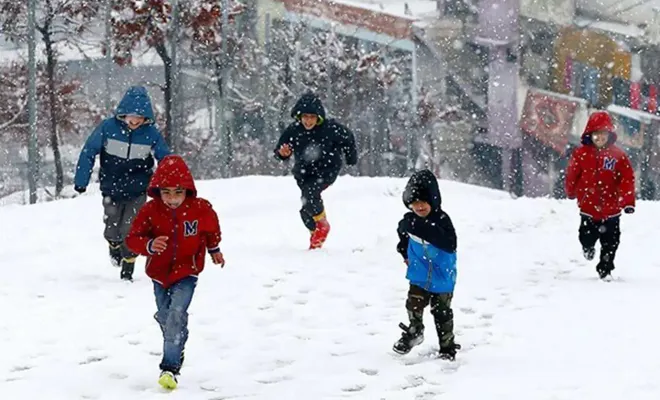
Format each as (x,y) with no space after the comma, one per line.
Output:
(174,242)
(599,164)
(130,142)
(429,276)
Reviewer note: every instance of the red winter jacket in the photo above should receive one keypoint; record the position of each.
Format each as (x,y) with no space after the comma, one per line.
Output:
(602,180)
(192,228)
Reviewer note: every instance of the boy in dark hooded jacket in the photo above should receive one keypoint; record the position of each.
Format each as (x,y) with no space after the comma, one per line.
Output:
(317,144)
(127,143)
(427,242)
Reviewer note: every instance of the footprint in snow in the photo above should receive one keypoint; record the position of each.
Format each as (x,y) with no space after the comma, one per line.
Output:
(92,359)
(413,381)
(354,388)
(21,368)
(273,380)
(369,371)
(429,395)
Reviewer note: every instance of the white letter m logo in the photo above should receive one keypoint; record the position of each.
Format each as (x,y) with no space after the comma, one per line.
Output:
(190,228)
(609,163)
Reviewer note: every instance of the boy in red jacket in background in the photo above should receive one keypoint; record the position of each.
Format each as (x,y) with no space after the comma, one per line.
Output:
(600,176)
(174,231)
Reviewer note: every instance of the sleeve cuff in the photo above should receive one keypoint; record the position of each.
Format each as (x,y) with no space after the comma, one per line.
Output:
(214,250)
(150,249)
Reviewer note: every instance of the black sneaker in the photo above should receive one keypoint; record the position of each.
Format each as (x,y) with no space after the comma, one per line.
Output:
(604,270)
(412,336)
(589,252)
(115,253)
(449,352)
(127,267)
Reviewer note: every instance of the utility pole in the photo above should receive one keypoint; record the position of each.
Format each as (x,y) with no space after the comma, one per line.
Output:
(222,123)
(108,57)
(174,92)
(411,131)
(498,30)
(33,156)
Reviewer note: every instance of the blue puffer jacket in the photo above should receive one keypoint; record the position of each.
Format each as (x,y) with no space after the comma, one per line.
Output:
(429,267)
(126,155)
(428,243)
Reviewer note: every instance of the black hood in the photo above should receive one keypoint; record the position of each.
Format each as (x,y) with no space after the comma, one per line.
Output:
(423,185)
(309,103)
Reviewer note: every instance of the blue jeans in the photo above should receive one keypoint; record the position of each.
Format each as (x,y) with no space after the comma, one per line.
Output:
(172,316)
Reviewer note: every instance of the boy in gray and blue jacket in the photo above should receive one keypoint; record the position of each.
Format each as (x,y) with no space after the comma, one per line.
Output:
(127,144)
(428,246)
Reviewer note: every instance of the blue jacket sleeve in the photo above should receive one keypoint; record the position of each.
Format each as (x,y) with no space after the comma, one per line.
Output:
(87,157)
(160,148)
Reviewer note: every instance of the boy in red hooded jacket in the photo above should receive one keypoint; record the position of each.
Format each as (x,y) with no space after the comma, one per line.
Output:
(600,176)
(174,230)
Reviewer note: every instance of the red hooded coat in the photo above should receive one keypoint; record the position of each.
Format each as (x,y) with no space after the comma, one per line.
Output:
(602,180)
(192,228)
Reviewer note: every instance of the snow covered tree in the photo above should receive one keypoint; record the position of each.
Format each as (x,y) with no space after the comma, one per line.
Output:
(58,21)
(357,87)
(140,24)
(74,114)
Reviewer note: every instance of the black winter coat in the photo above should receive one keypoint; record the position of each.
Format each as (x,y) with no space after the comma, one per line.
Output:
(437,228)
(317,152)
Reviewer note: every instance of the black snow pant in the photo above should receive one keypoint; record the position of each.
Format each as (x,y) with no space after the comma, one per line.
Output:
(443,316)
(118,217)
(312,203)
(608,233)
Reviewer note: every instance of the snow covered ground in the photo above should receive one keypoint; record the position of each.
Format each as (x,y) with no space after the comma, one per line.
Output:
(280,322)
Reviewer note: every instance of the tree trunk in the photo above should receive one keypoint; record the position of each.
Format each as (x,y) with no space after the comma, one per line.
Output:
(167,92)
(225,135)
(51,63)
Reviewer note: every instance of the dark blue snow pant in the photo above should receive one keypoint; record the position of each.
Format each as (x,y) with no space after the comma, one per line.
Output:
(172,316)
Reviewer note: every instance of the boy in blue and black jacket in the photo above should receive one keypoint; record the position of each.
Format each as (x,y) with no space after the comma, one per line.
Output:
(428,246)
(127,144)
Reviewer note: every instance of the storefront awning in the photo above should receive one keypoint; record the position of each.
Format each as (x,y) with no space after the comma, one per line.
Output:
(553,118)
(631,125)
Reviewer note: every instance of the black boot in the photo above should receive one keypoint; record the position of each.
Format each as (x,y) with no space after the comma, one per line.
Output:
(605,266)
(115,253)
(604,269)
(589,252)
(127,267)
(449,352)
(412,336)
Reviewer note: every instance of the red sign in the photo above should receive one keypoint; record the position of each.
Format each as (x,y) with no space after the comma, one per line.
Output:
(653,99)
(548,118)
(635,95)
(395,26)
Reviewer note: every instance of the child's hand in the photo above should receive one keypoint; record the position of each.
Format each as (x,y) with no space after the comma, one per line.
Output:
(159,244)
(285,150)
(405,261)
(218,259)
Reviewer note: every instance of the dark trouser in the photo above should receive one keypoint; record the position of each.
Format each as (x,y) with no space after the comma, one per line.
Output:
(607,232)
(312,203)
(443,315)
(172,316)
(118,216)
